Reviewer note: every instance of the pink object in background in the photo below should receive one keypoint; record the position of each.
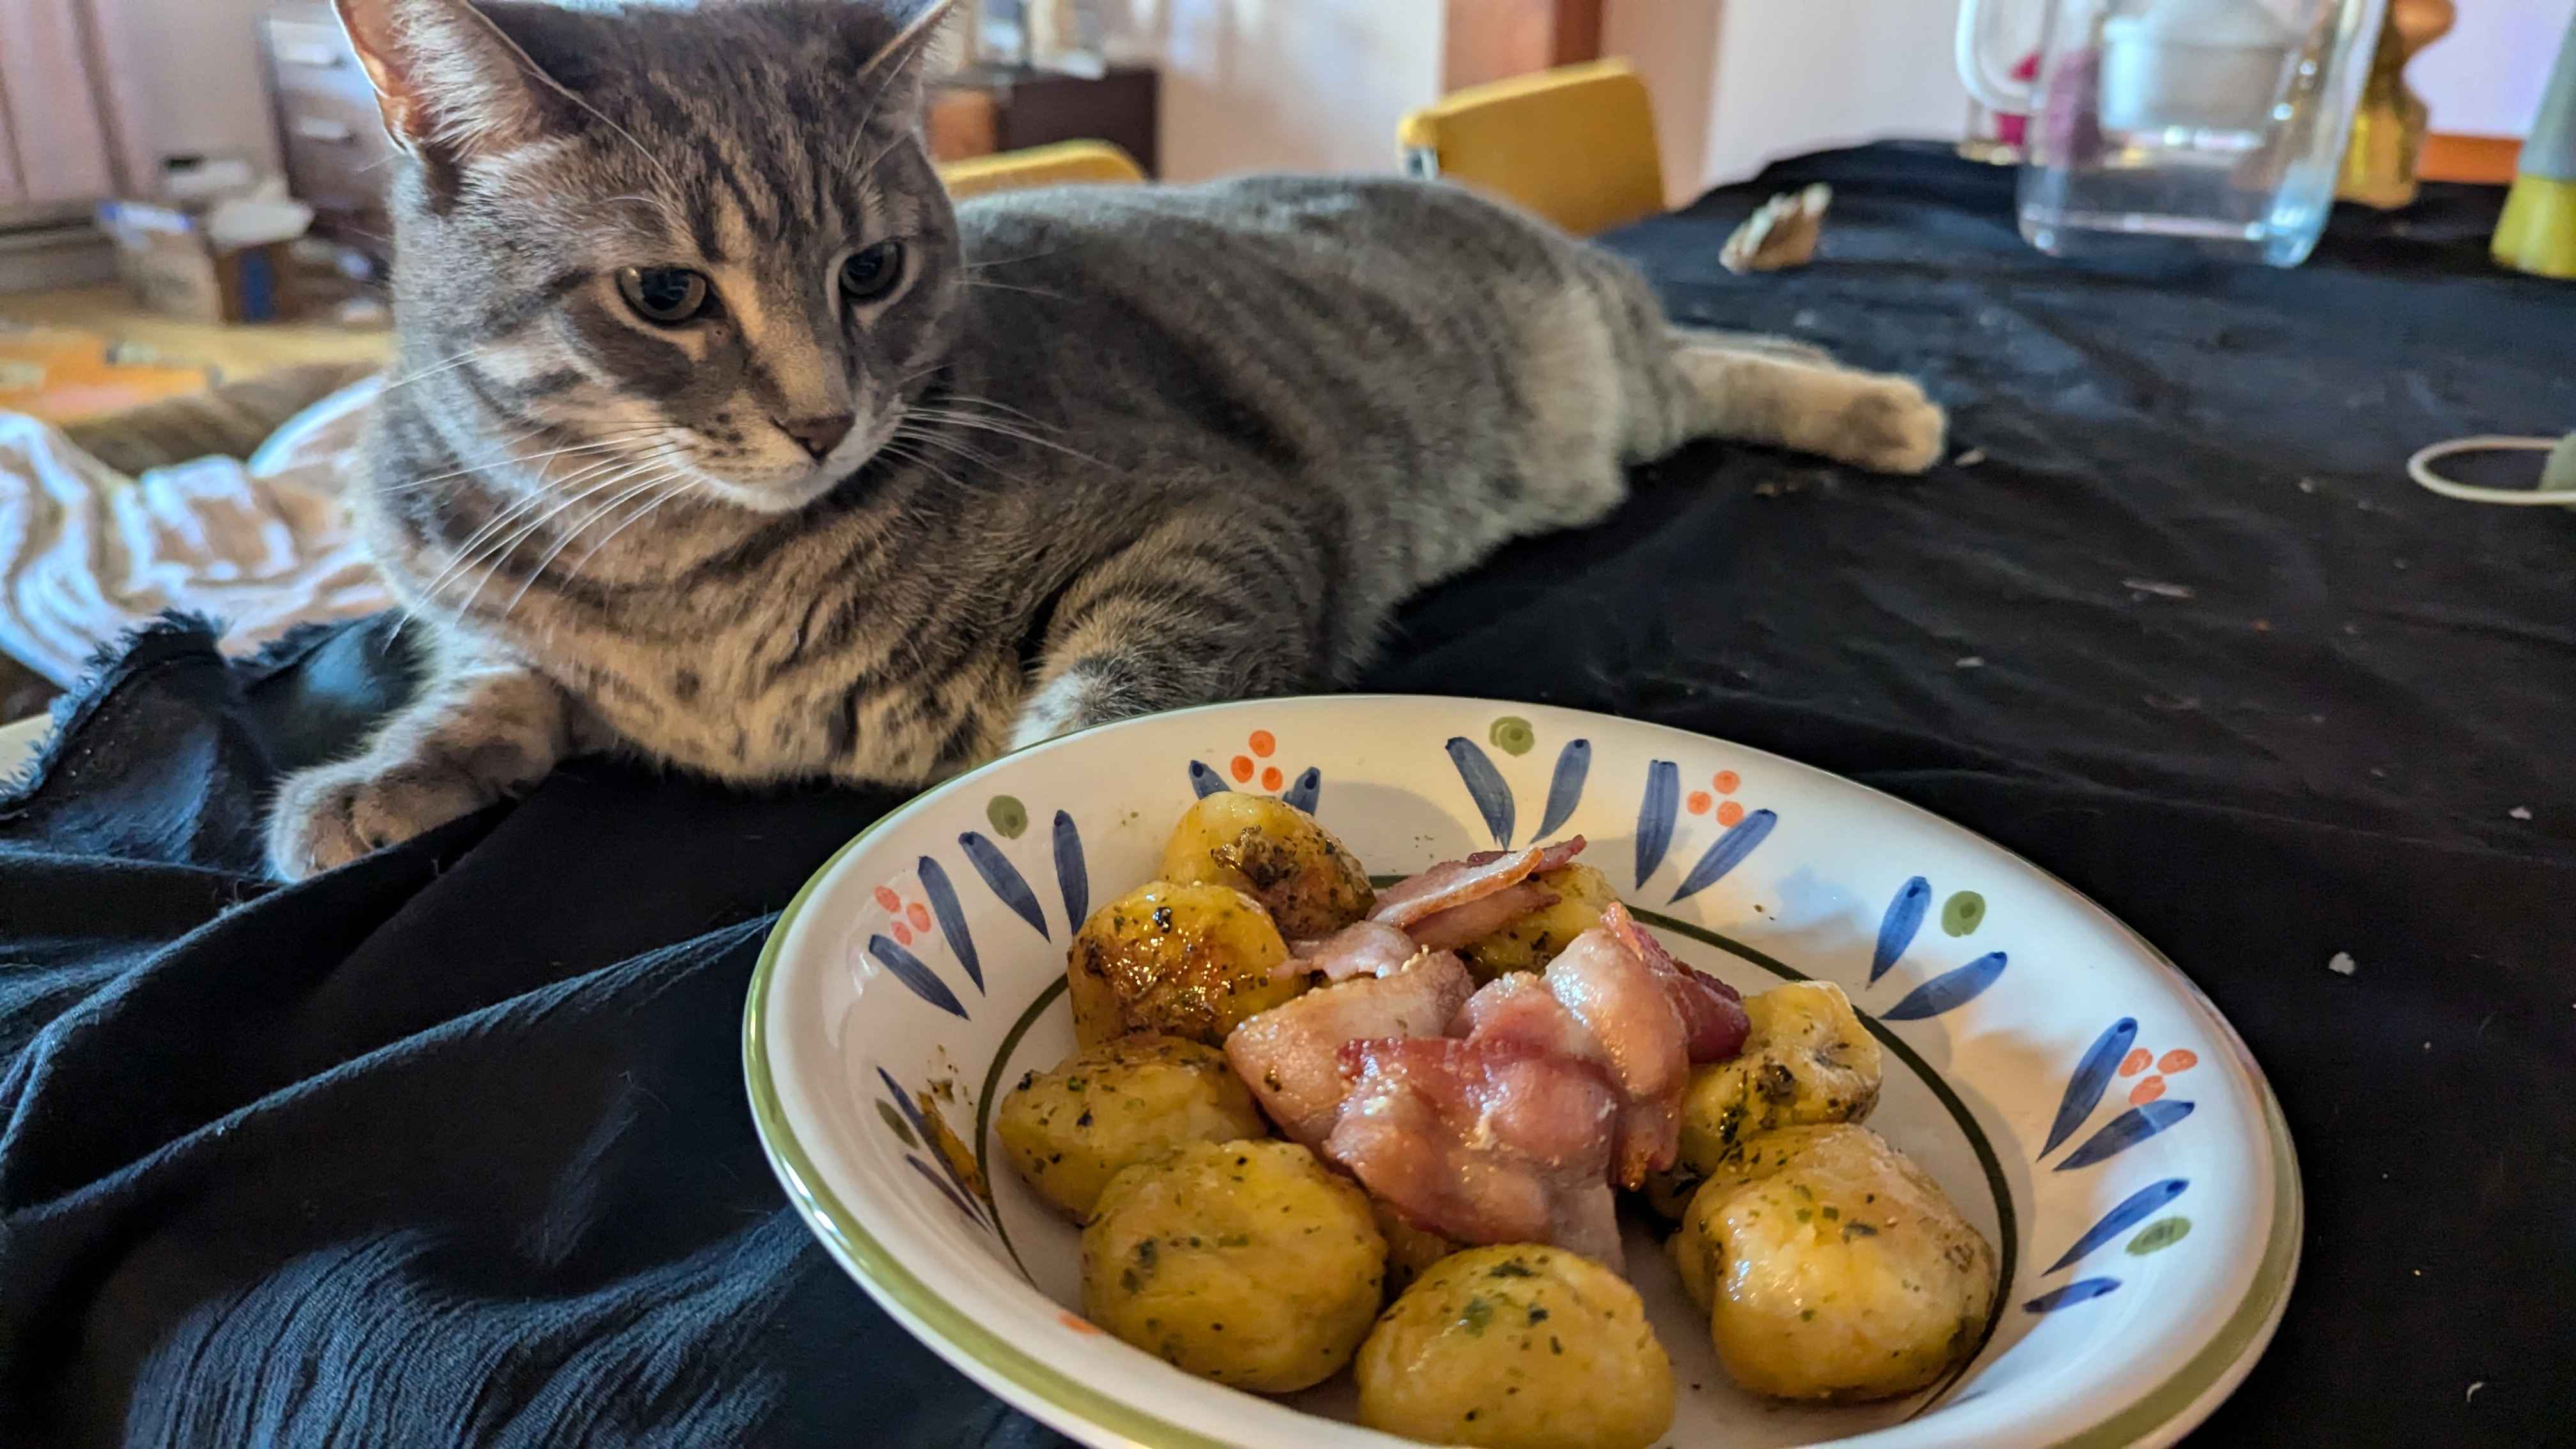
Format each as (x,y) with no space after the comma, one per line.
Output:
(2014,130)
(67,110)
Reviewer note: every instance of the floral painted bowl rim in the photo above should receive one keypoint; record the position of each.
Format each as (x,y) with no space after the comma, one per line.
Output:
(2160,1415)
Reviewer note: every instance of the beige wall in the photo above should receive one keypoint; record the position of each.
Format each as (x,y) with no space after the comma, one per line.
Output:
(1299,85)
(199,86)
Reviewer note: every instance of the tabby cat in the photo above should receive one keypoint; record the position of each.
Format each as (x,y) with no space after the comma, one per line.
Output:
(719,437)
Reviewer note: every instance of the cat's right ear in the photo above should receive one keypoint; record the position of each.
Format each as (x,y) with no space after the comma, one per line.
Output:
(449,83)
(896,64)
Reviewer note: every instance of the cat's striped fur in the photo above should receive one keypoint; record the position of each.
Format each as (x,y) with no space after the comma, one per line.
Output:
(1113,450)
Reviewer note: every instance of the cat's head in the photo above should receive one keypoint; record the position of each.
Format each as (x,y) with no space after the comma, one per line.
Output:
(699,243)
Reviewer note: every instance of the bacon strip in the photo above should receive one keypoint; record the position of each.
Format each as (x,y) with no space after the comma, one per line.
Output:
(1287,1055)
(1712,1012)
(1456,882)
(1486,1142)
(1363,948)
(1459,925)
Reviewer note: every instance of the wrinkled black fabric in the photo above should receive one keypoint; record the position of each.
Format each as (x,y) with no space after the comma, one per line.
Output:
(451,1146)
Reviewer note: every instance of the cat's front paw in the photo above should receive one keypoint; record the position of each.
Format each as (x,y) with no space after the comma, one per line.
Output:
(1893,427)
(327,817)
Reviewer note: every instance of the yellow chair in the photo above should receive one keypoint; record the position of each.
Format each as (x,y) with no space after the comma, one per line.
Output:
(1065,162)
(1575,144)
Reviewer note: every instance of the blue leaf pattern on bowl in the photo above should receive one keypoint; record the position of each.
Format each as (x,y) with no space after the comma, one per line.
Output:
(1005,879)
(952,917)
(2126,1131)
(1205,780)
(1307,789)
(1565,787)
(905,967)
(1070,872)
(1948,991)
(1896,930)
(1655,813)
(2083,1290)
(945,1191)
(1486,787)
(903,1103)
(1728,852)
(2092,1078)
(2145,1203)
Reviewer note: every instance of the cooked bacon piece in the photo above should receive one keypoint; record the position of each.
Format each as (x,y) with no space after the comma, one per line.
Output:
(1288,1054)
(1454,883)
(1363,948)
(1636,1032)
(1712,1012)
(1457,926)
(1486,1142)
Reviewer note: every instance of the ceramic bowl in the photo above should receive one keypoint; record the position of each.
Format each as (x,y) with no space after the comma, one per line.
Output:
(2082,1102)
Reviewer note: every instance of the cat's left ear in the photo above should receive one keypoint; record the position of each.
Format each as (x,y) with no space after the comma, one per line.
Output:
(897,64)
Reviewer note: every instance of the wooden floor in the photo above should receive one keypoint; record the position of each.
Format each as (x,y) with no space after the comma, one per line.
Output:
(233,351)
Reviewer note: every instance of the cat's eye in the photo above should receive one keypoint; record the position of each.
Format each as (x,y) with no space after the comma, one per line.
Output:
(872,271)
(664,296)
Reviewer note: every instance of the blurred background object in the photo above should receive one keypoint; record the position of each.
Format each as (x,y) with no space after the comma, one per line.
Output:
(2538,230)
(2393,122)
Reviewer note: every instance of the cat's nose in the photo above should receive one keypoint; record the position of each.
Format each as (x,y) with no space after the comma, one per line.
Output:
(821,435)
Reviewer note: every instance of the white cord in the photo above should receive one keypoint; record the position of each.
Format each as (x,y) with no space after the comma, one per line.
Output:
(2420,469)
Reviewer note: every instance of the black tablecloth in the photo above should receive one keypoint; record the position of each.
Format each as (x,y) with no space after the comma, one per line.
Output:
(451,1144)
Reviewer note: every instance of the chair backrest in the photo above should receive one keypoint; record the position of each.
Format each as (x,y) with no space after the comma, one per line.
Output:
(1575,144)
(1065,162)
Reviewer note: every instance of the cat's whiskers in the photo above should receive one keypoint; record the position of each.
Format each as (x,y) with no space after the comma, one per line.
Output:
(487,544)
(1023,415)
(1007,261)
(547,455)
(448,364)
(959,418)
(673,486)
(643,466)
(498,556)
(1015,287)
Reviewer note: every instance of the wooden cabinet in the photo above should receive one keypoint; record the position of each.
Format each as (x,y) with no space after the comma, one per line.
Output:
(987,109)
(338,157)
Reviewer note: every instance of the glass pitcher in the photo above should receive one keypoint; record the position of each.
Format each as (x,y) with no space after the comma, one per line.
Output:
(2209,126)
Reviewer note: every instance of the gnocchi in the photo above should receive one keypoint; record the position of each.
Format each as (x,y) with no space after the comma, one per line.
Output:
(1184,960)
(1070,1130)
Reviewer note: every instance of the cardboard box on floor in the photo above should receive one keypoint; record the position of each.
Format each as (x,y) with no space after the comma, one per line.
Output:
(214,248)
(172,266)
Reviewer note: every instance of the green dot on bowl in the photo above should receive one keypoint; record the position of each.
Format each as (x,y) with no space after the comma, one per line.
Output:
(1512,735)
(1963,913)
(1008,815)
(2159,1235)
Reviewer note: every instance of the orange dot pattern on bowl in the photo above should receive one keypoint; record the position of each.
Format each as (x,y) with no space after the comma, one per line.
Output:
(904,919)
(1242,769)
(1263,743)
(2149,1088)
(1699,802)
(1271,779)
(1730,813)
(1726,781)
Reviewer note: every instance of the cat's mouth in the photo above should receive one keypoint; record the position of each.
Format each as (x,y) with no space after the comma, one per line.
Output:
(788,488)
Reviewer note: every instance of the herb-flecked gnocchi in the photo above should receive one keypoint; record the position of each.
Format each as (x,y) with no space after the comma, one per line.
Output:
(1108,1107)
(1184,960)
(1831,1268)
(1517,1346)
(1244,1262)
